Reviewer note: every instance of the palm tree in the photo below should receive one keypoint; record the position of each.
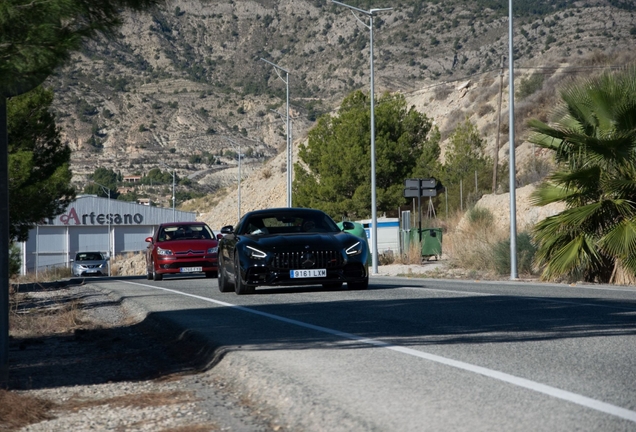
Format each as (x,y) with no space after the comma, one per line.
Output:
(593,136)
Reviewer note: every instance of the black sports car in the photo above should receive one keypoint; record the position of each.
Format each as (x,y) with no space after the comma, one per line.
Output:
(290,246)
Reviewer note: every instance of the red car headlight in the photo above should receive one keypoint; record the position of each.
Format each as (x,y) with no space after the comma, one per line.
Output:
(164,252)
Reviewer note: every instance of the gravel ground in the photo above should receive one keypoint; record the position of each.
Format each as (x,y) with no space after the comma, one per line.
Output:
(112,372)
(111,369)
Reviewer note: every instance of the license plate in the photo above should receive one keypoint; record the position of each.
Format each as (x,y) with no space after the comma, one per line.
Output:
(191,269)
(308,273)
(91,271)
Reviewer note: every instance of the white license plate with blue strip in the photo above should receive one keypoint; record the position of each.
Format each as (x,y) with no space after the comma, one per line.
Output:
(312,273)
(191,269)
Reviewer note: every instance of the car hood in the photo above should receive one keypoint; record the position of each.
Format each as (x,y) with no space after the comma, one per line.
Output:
(292,242)
(92,262)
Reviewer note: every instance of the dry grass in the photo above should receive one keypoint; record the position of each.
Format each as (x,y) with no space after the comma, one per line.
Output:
(413,255)
(48,275)
(137,400)
(42,319)
(17,410)
(202,204)
(470,245)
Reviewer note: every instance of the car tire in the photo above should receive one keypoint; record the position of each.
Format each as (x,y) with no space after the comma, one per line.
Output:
(155,276)
(148,273)
(240,288)
(358,286)
(332,285)
(224,284)
(212,274)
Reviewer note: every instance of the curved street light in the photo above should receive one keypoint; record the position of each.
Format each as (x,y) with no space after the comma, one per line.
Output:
(374,213)
(235,145)
(290,157)
(289,132)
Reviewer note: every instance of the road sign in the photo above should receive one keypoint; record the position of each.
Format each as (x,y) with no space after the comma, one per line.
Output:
(412,184)
(429,183)
(411,193)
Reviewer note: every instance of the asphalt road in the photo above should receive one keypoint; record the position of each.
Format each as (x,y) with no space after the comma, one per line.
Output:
(417,354)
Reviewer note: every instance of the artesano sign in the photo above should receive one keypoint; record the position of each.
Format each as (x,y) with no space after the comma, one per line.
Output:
(72,218)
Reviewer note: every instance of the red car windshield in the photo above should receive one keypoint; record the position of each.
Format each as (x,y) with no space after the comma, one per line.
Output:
(185,232)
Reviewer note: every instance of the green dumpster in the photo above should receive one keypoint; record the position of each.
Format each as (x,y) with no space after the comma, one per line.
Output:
(431,243)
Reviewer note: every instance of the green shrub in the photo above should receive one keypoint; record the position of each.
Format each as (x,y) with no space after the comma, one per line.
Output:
(528,86)
(525,255)
(481,216)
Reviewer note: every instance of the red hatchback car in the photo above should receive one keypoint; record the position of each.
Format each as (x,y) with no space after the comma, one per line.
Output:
(182,248)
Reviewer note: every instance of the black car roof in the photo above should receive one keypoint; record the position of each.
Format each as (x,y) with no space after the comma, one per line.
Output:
(284,210)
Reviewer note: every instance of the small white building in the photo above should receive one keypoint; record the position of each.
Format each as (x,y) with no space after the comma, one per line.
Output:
(388,234)
(91,223)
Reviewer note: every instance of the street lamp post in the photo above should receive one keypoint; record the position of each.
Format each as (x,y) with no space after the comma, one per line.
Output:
(289,133)
(374,215)
(109,218)
(513,183)
(174,216)
(290,158)
(239,174)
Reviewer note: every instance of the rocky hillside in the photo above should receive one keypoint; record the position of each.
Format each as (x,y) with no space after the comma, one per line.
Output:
(176,82)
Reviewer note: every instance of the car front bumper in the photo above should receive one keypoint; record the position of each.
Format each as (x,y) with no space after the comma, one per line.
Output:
(263,275)
(171,265)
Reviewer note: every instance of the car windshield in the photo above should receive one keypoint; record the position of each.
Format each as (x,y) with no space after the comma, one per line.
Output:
(185,232)
(89,256)
(303,222)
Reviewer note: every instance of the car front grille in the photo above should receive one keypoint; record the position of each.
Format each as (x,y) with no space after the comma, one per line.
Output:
(193,252)
(307,259)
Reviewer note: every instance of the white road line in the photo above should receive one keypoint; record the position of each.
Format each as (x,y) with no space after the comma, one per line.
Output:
(490,373)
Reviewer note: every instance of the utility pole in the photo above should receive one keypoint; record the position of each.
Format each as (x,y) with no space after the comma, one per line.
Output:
(513,182)
(496,155)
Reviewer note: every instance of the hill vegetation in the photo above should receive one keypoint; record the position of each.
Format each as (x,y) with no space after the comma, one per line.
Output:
(175,82)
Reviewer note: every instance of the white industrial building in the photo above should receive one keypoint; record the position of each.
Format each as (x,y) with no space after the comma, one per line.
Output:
(91,223)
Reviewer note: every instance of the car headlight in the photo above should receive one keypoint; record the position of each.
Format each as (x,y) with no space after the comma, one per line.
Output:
(255,253)
(163,251)
(356,249)
(213,250)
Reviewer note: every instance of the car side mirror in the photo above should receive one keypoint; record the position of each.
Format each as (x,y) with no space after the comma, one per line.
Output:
(347,226)
(219,236)
(228,229)
(148,239)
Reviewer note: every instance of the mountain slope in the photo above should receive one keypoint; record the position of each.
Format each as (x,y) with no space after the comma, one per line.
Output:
(179,80)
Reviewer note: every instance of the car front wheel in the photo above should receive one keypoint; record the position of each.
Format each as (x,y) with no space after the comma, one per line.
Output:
(239,286)
(224,285)
(148,272)
(155,276)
